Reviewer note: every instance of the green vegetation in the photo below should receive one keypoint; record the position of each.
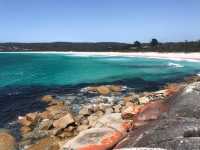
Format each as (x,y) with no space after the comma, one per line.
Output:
(154,43)
(137,44)
(152,46)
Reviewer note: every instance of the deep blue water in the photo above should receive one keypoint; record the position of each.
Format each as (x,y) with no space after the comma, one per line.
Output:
(25,76)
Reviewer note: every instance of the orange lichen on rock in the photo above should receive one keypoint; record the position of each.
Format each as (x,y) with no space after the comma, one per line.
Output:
(131,111)
(95,139)
(172,89)
(148,112)
(107,142)
(126,125)
(93,147)
(112,139)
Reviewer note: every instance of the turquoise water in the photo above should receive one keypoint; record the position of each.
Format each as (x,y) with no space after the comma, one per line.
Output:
(22,69)
(24,77)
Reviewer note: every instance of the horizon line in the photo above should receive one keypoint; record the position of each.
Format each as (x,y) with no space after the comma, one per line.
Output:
(29,42)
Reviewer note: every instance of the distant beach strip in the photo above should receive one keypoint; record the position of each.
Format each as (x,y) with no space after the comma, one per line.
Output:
(172,56)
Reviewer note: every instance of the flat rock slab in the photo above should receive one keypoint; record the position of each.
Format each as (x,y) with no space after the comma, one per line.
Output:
(180,130)
(94,139)
(63,121)
(114,121)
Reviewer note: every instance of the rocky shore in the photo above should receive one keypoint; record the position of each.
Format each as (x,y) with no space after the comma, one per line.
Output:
(114,117)
(179,129)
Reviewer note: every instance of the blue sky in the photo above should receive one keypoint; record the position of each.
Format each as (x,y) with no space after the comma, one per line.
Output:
(99,20)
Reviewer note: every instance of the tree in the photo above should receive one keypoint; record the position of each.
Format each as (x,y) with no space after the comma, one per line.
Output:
(137,44)
(198,42)
(154,42)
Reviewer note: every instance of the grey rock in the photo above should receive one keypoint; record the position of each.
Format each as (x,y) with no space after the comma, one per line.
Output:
(45,124)
(187,104)
(180,130)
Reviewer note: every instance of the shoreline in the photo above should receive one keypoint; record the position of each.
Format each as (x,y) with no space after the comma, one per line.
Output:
(179,56)
(124,114)
(94,111)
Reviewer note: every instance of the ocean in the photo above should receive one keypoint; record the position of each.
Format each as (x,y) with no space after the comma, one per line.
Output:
(24,77)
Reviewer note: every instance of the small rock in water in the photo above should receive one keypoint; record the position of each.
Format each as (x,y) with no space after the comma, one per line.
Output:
(88,90)
(103,90)
(32,116)
(56,109)
(24,121)
(47,98)
(115,88)
(56,102)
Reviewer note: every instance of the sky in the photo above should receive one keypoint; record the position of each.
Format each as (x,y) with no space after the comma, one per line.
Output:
(99,20)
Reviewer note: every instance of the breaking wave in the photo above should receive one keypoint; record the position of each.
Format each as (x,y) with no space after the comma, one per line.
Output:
(175,65)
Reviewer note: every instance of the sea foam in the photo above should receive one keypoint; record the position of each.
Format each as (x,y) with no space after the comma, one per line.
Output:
(175,65)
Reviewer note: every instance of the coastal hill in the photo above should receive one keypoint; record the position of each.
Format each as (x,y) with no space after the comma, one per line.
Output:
(153,46)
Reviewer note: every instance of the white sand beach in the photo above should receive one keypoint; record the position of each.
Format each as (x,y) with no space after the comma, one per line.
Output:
(172,56)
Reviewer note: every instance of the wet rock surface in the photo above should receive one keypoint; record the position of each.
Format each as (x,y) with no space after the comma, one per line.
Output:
(179,130)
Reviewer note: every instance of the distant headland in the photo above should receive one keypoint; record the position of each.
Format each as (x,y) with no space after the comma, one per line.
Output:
(153,46)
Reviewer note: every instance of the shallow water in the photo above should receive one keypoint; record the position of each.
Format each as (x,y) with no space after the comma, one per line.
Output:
(24,77)
(58,69)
